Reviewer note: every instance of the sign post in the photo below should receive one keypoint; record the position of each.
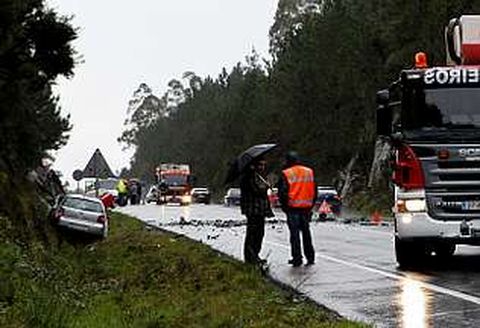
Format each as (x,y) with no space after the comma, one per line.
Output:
(77,176)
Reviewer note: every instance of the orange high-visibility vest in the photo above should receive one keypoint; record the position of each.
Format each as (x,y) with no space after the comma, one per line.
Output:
(301,187)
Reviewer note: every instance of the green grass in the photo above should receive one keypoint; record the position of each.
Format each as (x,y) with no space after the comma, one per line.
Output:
(142,278)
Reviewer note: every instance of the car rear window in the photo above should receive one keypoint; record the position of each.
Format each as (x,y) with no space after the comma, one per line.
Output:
(234,192)
(83,204)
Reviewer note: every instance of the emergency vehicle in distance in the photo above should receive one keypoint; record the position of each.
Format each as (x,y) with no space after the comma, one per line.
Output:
(174,183)
(431,115)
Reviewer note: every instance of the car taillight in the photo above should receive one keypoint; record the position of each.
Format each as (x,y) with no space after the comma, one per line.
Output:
(408,173)
(102,219)
(59,213)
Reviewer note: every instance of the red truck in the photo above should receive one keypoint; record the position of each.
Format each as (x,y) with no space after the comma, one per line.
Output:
(174,183)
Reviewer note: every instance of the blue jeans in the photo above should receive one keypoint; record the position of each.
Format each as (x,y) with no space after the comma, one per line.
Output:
(300,223)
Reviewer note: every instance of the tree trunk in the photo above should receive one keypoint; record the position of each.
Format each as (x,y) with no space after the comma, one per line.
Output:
(383,150)
(348,176)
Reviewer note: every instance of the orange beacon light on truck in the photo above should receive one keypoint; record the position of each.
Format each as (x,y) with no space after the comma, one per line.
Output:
(421,60)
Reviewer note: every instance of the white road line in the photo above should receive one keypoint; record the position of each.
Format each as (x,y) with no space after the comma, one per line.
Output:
(446,313)
(432,287)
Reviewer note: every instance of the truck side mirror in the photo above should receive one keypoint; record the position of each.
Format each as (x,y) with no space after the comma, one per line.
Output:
(384,114)
(383,97)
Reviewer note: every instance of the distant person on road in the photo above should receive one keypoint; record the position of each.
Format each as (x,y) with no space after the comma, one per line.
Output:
(297,193)
(256,207)
(122,190)
(142,192)
(162,191)
(139,192)
(133,194)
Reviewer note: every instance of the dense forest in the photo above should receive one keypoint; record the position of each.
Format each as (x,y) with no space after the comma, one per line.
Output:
(316,95)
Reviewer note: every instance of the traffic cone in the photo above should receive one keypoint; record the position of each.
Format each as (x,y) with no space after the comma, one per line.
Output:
(376,218)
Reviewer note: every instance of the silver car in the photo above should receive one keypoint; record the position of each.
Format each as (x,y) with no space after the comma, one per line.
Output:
(232,197)
(81,213)
(151,196)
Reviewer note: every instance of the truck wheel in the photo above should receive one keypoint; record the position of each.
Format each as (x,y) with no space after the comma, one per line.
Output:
(445,249)
(409,254)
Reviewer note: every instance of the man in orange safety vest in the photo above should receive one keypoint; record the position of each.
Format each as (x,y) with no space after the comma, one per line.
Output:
(297,194)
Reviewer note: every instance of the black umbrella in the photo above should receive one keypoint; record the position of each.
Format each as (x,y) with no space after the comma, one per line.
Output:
(245,159)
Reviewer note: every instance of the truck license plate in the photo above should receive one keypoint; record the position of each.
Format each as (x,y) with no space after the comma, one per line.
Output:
(473,205)
(475,233)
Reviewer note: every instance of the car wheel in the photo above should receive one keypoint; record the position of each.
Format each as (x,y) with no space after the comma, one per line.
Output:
(403,253)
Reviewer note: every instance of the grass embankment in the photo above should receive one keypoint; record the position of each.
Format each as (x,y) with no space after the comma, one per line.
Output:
(141,278)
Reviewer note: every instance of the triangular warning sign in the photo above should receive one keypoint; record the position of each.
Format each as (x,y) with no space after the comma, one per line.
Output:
(325,208)
(97,167)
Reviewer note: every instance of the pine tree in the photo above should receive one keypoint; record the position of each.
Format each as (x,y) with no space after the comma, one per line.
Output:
(35,48)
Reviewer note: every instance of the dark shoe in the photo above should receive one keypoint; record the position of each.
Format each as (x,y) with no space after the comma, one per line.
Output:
(295,263)
(263,266)
(310,263)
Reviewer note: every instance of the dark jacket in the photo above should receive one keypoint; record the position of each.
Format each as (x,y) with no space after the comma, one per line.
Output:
(283,190)
(254,199)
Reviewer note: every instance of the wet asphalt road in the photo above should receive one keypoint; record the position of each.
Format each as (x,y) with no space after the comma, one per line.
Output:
(355,272)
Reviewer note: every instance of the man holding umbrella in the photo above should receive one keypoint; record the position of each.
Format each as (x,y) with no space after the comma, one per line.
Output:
(254,203)
(256,207)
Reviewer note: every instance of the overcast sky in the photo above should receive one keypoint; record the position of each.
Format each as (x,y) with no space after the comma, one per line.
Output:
(125,43)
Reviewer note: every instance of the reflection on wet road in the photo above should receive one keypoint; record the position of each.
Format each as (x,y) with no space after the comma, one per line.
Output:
(355,272)
(415,305)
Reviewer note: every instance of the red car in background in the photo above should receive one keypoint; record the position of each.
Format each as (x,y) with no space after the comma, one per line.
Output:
(328,203)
